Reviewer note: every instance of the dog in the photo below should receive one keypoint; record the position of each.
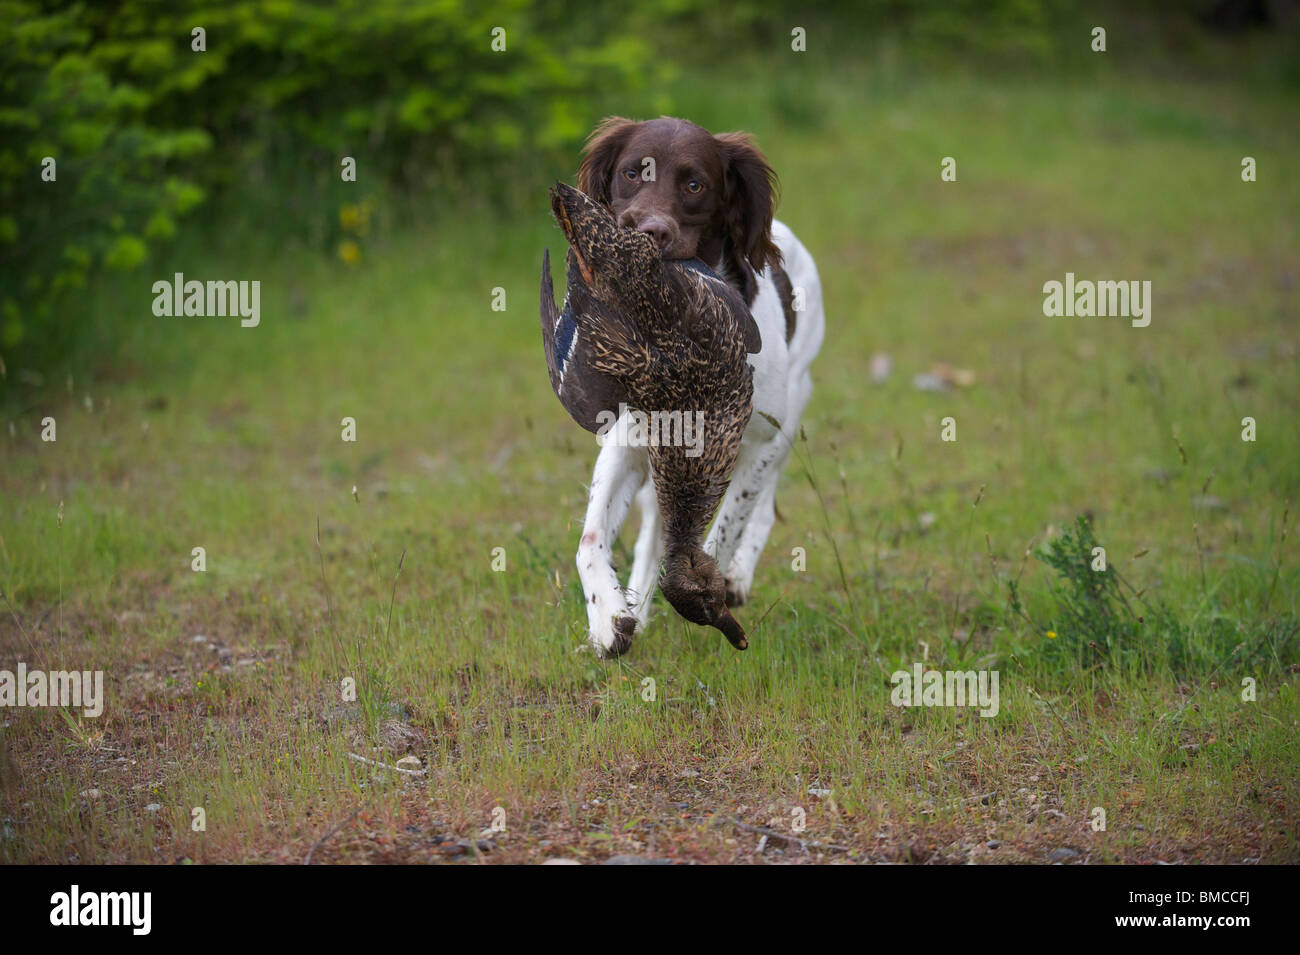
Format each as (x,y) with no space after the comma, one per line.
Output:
(708,197)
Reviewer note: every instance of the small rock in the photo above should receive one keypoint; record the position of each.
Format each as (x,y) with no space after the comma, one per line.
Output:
(460,847)
(410,762)
(928,382)
(636,860)
(946,376)
(153,807)
(881,368)
(1062,854)
(994,844)
(397,736)
(561,862)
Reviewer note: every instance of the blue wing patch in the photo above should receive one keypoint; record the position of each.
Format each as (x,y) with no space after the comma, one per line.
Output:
(696,265)
(564,335)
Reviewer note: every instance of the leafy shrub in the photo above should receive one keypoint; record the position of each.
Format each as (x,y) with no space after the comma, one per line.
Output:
(1099,618)
(114,185)
(143,127)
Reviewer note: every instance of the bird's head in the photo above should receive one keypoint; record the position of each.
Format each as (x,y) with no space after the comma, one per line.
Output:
(616,262)
(693,584)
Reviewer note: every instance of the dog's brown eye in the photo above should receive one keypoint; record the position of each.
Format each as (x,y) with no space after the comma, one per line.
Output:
(630,175)
(694,186)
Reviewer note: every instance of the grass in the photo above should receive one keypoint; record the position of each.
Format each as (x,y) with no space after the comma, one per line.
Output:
(225,688)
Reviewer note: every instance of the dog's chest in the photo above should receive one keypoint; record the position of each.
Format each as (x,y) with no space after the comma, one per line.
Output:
(771,364)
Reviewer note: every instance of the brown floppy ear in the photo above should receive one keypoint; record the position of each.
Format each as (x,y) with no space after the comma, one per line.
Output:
(599,155)
(750,196)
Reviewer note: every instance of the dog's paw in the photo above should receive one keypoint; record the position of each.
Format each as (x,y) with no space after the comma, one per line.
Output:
(615,639)
(737,593)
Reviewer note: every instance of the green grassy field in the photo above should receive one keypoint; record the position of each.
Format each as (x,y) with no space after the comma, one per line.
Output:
(224,686)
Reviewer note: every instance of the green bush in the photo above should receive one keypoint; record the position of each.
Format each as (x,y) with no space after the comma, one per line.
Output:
(1099,619)
(86,180)
(142,126)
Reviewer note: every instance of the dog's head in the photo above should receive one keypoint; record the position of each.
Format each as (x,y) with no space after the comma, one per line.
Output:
(696,194)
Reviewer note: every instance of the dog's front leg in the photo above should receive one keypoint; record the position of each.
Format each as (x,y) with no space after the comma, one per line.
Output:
(619,473)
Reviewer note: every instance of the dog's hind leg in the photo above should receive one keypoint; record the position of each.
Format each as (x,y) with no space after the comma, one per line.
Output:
(740,574)
(742,532)
(619,474)
(649,551)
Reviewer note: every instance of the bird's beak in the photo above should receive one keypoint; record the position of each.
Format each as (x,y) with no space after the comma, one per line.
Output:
(561,210)
(732,630)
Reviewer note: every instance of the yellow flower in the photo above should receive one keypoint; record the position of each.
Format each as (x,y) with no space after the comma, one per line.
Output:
(1051,634)
(356,218)
(349,252)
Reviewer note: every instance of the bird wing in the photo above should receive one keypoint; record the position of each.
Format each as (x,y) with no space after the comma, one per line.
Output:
(584,390)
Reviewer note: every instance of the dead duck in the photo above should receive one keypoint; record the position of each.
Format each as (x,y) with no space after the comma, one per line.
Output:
(662,337)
